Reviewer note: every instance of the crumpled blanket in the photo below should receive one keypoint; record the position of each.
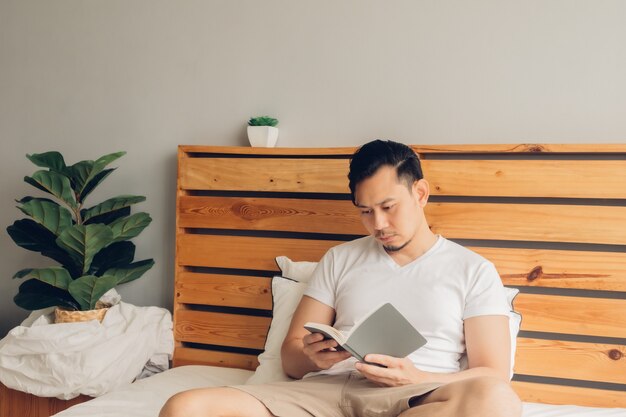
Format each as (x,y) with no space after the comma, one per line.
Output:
(65,360)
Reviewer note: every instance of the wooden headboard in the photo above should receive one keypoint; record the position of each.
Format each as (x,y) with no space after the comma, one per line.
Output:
(551,217)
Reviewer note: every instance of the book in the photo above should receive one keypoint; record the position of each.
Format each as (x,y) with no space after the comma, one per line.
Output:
(384,331)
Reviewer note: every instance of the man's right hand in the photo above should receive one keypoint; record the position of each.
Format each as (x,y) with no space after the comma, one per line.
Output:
(322,353)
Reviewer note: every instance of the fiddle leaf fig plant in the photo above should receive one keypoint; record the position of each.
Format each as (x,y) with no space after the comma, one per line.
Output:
(91,244)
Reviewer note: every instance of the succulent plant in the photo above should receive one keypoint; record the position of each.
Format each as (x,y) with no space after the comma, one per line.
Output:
(91,245)
(262,121)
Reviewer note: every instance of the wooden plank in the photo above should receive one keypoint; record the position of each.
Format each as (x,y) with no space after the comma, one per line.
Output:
(523,178)
(593,148)
(224,290)
(525,222)
(246,150)
(190,356)
(221,329)
(529,222)
(571,360)
(518,178)
(16,403)
(255,253)
(265,174)
(559,269)
(572,315)
(284,214)
(518,267)
(527,148)
(561,395)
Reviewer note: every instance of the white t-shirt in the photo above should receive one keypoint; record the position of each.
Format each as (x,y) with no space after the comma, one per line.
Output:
(435,292)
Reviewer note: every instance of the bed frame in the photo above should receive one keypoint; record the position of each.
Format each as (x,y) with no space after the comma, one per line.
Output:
(551,217)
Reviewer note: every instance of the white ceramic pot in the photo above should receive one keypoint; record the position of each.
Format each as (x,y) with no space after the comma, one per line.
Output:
(263,136)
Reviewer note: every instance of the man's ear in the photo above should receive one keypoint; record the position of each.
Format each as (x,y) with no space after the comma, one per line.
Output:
(421,190)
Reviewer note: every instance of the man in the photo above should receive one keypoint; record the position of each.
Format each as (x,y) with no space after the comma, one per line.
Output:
(451,295)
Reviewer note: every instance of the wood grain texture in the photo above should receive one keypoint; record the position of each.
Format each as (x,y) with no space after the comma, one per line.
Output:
(221,329)
(562,395)
(571,360)
(572,315)
(493,178)
(244,252)
(529,222)
(496,178)
(530,148)
(190,356)
(245,150)
(587,174)
(523,222)
(274,214)
(266,174)
(224,290)
(20,404)
(559,269)
(524,148)
(518,267)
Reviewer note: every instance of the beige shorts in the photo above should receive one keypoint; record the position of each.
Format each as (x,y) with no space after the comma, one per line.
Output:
(344,395)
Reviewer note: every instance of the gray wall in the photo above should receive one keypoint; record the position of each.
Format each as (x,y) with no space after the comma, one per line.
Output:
(92,77)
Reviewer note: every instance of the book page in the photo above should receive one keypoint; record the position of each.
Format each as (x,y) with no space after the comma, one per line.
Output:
(326,330)
(387,332)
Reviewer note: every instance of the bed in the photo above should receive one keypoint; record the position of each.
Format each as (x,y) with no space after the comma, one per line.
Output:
(551,217)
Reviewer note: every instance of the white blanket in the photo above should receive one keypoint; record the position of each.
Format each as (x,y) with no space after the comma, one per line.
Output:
(68,359)
(146,397)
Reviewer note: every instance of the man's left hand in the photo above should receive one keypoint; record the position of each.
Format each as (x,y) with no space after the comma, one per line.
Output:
(397,372)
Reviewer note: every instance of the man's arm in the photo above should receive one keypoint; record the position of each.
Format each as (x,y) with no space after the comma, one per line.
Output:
(488,352)
(303,352)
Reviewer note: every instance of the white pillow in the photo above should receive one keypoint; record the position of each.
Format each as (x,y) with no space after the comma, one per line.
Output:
(287,293)
(515,319)
(297,271)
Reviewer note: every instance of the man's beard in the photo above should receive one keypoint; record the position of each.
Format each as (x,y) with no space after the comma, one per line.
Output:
(389,248)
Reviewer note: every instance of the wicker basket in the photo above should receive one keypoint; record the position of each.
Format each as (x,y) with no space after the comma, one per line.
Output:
(62,315)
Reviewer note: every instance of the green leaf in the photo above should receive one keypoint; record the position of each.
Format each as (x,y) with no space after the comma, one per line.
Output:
(88,289)
(129,227)
(32,236)
(112,205)
(116,255)
(34,295)
(89,187)
(55,276)
(109,218)
(83,242)
(35,184)
(262,121)
(54,183)
(48,214)
(53,160)
(84,172)
(28,198)
(79,172)
(131,272)
(106,160)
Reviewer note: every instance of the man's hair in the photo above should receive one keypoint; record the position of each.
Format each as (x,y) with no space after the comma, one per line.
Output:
(375,154)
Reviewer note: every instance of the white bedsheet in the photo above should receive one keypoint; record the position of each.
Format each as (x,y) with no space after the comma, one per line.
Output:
(145,398)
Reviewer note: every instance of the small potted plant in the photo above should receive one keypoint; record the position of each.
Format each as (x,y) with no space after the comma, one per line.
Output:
(262,131)
(90,244)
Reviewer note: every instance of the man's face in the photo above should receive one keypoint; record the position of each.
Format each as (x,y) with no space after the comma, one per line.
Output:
(390,211)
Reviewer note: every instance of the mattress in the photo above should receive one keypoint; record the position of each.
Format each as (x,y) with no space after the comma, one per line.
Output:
(145,398)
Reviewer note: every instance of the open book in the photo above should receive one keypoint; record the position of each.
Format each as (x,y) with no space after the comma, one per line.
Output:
(385,331)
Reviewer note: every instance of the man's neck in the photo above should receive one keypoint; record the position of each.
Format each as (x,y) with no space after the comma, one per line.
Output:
(419,245)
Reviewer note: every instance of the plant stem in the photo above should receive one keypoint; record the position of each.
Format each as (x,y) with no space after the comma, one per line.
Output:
(79,219)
